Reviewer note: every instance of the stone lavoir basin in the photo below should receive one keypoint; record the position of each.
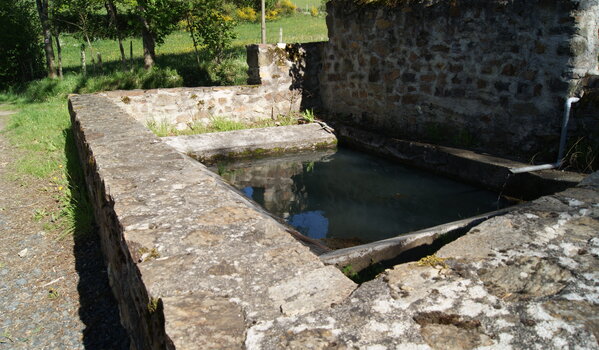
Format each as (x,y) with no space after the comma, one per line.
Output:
(346,197)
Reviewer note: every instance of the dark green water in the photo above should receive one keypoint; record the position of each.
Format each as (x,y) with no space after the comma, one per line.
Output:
(350,195)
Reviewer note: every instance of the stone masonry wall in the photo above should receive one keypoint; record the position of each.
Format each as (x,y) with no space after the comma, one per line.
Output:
(272,95)
(192,262)
(492,75)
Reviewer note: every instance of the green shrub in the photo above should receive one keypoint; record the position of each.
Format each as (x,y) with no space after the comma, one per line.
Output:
(247,14)
(230,71)
(286,7)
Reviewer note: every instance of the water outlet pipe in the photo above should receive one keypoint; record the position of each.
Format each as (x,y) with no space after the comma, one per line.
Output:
(562,143)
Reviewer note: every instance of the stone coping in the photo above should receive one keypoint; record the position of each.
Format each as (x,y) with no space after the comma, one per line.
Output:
(193,264)
(210,147)
(479,169)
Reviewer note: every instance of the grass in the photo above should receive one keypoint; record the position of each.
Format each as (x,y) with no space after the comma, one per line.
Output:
(217,124)
(41,129)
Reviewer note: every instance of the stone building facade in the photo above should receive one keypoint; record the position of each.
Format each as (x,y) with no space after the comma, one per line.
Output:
(491,75)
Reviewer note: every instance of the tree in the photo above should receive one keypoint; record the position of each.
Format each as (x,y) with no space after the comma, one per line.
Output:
(43,9)
(78,14)
(112,13)
(21,56)
(157,19)
(209,26)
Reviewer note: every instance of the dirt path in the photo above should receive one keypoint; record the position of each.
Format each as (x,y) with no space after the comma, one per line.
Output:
(53,294)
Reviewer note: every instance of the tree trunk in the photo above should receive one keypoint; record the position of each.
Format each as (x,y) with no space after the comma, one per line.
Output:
(112,11)
(83,62)
(42,10)
(91,49)
(263,22)
(149,47)
(149,43)
(131,54)
(193,39)
(59,52)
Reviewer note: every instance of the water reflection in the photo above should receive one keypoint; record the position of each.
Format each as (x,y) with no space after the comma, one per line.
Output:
(353,196)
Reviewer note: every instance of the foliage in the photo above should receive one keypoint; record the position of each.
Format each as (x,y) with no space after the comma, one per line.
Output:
(308,115)
(287,8)
(348,271)
(272,15)
(230,71)
(20,51)
(210,27)
(247,14)
(255,4)
(314,11)
(161,15)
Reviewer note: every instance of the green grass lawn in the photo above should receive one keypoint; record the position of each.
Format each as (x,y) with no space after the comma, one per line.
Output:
(177,50)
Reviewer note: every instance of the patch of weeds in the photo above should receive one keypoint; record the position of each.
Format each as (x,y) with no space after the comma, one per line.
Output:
(6,338)
(433,261)
(53,294)
(39,214)
(161,128)
(147,254)
(348,271)
(583,155)
(225,124)
(308,116)
(126,100)
(224,170)
(153,305)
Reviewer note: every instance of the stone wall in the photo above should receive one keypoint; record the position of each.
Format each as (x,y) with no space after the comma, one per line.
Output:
(491,75)
(272,95)
(192,262)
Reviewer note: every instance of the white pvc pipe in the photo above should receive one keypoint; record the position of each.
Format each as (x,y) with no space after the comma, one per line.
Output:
(562,142)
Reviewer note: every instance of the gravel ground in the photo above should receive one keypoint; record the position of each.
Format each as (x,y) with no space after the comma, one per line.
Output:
(53,294)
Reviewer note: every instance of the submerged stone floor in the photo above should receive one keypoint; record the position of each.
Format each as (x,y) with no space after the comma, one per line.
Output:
(196,265)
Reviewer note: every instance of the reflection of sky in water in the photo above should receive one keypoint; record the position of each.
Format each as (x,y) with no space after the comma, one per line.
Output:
(353,195)
(248,191)
(311,223)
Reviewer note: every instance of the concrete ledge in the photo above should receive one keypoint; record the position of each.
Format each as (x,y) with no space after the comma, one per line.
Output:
(362,256)
(208,148)
(479,169)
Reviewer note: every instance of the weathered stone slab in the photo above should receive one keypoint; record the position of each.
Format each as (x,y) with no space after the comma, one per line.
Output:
(253,142)
(526,278)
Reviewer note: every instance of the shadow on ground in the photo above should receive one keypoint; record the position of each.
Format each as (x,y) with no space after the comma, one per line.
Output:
(98,309)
